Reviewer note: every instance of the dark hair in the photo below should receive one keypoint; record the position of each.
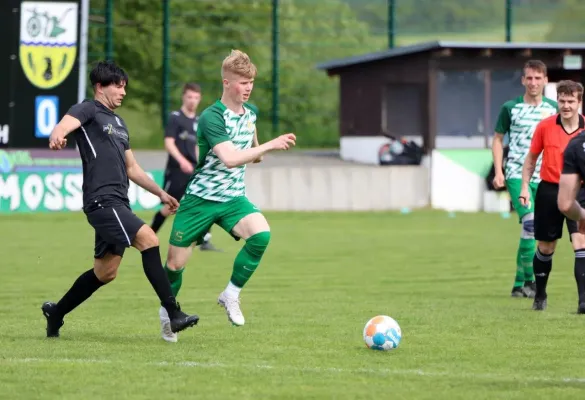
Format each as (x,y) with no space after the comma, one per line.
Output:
(570,88)
(106,73)
(536,65)
(191,86)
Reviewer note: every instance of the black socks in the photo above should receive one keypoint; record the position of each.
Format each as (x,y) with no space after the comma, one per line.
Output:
(157,277)
(82,289)
(157,221)
(542,267)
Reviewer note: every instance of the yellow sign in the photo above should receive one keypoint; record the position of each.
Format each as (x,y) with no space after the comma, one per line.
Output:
(48,41)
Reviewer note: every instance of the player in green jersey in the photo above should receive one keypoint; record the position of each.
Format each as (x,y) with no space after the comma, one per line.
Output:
(216,193)
(517,120)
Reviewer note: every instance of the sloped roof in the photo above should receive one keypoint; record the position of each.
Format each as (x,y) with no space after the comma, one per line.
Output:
(438,45)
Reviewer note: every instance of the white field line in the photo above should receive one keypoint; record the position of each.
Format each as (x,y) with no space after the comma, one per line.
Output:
(318,370)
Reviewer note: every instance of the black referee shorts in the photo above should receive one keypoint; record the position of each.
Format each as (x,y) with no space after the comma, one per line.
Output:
(548,220)
(115,227)
(175,182)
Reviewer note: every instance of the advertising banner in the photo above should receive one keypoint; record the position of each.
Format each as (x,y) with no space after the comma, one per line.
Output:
(34,180)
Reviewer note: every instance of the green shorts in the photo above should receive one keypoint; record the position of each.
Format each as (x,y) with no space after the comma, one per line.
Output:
(514,187)
(196,215)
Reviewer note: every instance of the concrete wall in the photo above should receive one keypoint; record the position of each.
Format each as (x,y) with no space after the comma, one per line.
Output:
(341,188)
(363,150)
(319,180)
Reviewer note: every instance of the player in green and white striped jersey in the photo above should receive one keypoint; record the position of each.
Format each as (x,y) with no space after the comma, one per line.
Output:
(517,120)
(216,193)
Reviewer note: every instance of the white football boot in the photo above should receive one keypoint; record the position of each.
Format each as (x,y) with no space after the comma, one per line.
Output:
(165,326)
(232,308)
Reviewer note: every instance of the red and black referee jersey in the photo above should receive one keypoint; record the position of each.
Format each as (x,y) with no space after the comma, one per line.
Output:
(551,138)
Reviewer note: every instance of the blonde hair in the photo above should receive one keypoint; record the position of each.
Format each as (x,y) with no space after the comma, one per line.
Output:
(238,63)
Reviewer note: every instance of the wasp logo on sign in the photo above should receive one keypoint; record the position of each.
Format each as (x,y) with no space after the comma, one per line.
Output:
(48,41)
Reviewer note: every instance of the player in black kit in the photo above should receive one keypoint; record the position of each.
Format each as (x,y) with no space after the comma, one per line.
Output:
(181,144)
(570,185)
(108,164)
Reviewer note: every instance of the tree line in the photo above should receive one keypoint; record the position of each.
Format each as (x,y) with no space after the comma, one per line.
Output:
(202,32)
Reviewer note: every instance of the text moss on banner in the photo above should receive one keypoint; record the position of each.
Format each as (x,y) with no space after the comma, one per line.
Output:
(56,190)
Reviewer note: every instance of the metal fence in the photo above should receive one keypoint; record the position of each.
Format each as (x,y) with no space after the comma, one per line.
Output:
(186,40)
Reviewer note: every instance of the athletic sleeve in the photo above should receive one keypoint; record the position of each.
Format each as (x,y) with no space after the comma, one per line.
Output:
(173,128)
(573,157)
(212,128)
(504,121)
(84,112)
(537,144)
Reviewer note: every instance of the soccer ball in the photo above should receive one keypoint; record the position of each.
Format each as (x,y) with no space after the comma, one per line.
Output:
(382,333)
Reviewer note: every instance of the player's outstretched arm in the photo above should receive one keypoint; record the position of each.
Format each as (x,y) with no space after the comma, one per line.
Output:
(137,175)
(75,117)
(232,157)
(68,124)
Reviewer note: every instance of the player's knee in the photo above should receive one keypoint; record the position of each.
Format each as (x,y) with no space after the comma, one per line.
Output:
(108,276)
(145,238)
(547,248)
(106,269)
(528,226)
(259,242)
(177,257)
(173,265)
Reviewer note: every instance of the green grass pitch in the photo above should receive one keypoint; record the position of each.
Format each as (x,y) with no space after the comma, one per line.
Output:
(445,280)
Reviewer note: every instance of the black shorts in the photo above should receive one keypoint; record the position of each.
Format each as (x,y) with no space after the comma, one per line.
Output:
(175,183)
(548,220)
(115,227)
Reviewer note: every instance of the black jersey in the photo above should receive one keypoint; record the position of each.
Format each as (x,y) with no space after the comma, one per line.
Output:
(184,130)
(102,140)
(574,156)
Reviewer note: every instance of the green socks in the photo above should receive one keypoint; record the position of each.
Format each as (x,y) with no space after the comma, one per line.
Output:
(524,270)
(249,257)
(245,264)
(175,278)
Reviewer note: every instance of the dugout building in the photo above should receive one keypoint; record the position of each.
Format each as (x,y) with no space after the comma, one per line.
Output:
(440,94)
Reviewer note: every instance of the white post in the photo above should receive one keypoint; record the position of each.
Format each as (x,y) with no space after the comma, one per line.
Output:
(83,33)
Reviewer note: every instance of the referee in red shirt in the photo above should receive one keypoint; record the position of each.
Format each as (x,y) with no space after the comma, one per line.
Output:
(551,137)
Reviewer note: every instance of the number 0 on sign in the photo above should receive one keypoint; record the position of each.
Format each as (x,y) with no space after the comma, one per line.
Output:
(46,115)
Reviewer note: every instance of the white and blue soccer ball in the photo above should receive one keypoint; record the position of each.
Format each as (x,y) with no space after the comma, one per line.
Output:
(382,333)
